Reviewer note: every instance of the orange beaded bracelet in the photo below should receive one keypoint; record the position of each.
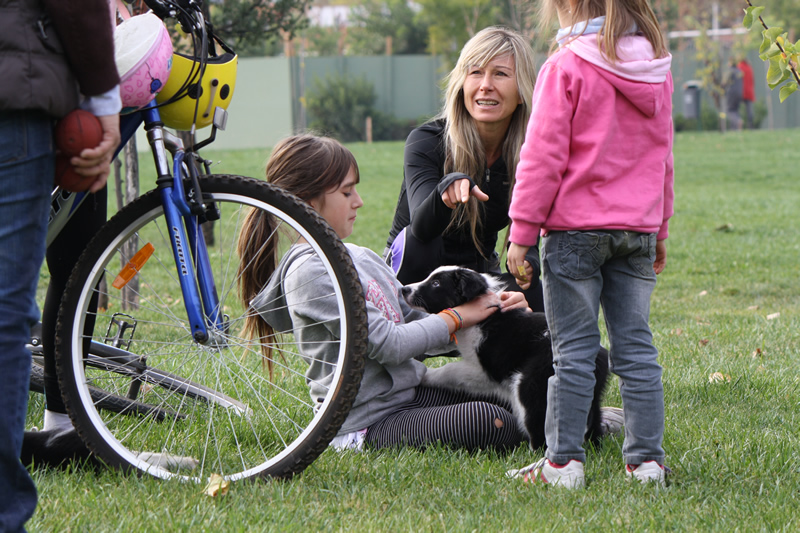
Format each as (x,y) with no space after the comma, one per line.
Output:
(452,313)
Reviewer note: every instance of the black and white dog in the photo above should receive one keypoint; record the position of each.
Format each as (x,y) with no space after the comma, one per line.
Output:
(507,355)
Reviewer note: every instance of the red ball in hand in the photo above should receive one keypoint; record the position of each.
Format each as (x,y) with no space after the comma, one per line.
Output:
(77,131)
(68,179)
(74,133)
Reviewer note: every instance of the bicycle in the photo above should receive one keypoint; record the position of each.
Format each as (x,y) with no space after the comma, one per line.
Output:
(173,387)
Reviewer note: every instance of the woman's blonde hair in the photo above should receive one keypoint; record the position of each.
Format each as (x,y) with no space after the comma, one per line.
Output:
(464,150)
(621,15)
(307,166)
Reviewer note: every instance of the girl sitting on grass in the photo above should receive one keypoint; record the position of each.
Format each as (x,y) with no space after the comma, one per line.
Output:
(391,408)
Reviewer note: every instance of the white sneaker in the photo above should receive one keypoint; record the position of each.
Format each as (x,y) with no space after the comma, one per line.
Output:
(647,472)
(612,420)
(569,475)
(56,422)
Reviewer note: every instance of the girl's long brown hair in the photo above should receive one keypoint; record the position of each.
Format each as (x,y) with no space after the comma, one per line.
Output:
(307,166)
(620,17)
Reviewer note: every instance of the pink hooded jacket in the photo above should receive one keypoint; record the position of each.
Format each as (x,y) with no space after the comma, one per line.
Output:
(598,150)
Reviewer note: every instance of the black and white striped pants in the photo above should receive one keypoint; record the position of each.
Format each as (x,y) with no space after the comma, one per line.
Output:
(453,419)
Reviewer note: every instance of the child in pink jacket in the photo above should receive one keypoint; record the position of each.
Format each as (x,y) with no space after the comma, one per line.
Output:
(595,178)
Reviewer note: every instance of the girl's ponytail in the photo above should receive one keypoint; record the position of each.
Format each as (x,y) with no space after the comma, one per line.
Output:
(258,257)
(621,15)
(307,166)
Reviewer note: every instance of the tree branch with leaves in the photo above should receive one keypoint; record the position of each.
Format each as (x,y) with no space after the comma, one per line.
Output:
(249,24)
(783,55)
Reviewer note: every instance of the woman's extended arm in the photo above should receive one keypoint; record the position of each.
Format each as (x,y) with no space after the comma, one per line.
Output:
(423,163)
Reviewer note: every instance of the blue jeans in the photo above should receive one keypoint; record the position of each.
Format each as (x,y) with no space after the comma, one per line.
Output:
(26,179)
(582,271)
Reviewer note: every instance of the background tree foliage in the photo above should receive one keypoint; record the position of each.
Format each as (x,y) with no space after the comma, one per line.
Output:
(777,48)
(376,20)
(452,22)
(339,106)
(252,27)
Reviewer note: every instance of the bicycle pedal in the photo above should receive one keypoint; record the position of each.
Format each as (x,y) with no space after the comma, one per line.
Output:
(34,345)
(120,330)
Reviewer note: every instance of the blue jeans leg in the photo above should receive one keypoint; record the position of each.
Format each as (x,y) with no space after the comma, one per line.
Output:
(572,284)
(26,179)
(583,270)
(629,281)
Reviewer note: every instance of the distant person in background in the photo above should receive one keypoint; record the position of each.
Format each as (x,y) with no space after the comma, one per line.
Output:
(733,97)
(748,90)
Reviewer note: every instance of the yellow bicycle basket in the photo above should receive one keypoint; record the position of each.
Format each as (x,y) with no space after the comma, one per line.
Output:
(215,90)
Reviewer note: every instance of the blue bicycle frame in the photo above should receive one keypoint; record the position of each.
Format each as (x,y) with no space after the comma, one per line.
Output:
(197,284)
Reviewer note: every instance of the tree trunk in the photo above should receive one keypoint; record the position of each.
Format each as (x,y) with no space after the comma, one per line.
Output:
(130,299)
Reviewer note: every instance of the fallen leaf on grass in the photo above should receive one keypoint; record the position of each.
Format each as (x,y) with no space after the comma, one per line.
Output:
(703,293)
(677,332)
(753,308)
(757,353)
(703,342)
(773,316)
(719,377)
(725,228)
(217,486)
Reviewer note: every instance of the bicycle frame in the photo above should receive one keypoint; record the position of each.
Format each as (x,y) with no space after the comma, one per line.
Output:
(197,284)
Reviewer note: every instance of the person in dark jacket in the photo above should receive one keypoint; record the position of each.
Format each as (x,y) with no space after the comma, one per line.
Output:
(51,53)
(733,96)
(459,168)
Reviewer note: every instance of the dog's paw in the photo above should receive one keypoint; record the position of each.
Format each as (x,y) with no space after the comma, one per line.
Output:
(435,377)
(170,461)
(611,420)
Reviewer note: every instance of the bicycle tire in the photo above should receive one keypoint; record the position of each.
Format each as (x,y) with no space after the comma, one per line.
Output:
(282,431)
(103,399)
(37,378)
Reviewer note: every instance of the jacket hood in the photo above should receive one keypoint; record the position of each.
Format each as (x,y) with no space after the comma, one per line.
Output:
(638,74)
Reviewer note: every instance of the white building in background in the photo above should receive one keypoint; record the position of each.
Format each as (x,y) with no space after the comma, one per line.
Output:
(329,16)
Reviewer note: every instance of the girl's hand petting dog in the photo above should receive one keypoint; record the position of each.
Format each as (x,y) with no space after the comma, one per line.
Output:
(513,300)
(479,309)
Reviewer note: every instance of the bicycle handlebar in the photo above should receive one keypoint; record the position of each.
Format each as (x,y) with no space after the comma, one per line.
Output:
(184,11)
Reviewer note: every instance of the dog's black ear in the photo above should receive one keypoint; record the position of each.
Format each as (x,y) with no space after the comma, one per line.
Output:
(470,284)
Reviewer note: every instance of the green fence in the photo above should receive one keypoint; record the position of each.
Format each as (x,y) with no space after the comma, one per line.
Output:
(268,103)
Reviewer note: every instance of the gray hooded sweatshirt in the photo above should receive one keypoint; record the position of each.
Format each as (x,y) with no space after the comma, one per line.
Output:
(299,297)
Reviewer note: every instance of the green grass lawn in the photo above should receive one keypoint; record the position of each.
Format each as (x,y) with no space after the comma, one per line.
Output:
(728,305)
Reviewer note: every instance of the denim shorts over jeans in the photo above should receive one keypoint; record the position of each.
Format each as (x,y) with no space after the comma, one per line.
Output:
(26,180)
(581,271)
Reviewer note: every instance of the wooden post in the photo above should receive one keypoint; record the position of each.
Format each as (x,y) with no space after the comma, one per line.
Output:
(288,43)
(102,302)
(388,45)
(129,296)
(369,130)
(340,44)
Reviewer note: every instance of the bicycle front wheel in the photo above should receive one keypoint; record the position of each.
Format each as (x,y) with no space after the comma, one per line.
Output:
(216,407)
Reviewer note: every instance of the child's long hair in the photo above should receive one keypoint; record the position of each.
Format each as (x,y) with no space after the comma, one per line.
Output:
(307,166)
(620,15)
(464,149)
